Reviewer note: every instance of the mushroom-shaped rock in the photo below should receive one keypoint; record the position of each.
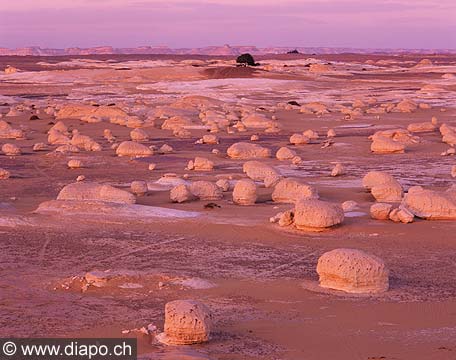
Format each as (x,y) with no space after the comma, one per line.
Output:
(139,135)
(380,211)
(285,153)
(180,194)
(316,215)
(291,191)
(11,150)
(200,164)
(243,150)
(186,322)
(205,190)
(353,271)
(245,192)
(431,205)
(83,191)
(383,186)
(133,149)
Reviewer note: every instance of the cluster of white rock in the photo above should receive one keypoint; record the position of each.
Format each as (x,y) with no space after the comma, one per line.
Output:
(394,205)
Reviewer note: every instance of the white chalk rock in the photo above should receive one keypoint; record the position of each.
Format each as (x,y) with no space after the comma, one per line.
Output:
(96,192)
(243,150)
(245,192)
(317,215)
(75,164)
(139,187)
(385,145)
(133,149)
(353,271)
(299,139)
(206,190)
(180,194)
(338,170)
(139,135)
(290,191)
(380,211)
(285,153)
(431,205)
(11,149)
(383,186)
(223,184)
(200,164)
(4,174)
(187,322)
(8,132)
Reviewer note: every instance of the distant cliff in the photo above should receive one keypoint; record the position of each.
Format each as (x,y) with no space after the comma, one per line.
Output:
(209,50)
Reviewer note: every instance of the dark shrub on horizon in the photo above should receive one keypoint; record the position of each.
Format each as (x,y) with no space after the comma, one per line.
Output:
(246,59)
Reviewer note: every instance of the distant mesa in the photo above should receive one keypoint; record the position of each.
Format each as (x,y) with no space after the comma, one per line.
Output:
(225,50)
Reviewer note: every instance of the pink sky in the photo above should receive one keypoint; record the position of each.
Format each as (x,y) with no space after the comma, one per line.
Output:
(195,23)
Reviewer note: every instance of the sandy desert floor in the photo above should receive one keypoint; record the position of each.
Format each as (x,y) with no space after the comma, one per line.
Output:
(258,278)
